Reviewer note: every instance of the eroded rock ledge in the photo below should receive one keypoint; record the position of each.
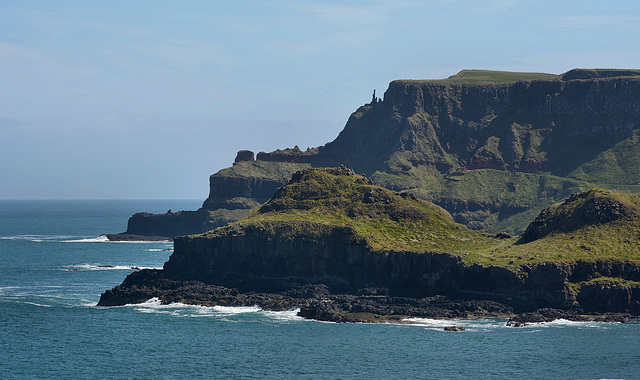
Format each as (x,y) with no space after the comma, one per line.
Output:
(368,305)
(315,301)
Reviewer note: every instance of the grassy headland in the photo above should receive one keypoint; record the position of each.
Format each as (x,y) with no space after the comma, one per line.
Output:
(597,225)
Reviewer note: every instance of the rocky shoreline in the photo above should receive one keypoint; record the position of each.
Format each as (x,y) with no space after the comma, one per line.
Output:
(315,301)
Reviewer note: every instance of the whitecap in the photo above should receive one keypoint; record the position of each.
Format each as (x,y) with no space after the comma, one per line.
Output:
(105,239)
(287,315)
(99,239)
(36,304)
(430,322)
(86,267)
(567,323)
(477,325)
(36,238)
(178,309)
(175,309)
(232,310)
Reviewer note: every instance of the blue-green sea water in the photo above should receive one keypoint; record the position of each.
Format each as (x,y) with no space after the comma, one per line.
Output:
(53,267)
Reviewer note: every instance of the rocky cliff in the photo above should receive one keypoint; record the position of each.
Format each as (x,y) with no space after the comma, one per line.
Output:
(233,192)
(492,148)
(332,228)
(494,154)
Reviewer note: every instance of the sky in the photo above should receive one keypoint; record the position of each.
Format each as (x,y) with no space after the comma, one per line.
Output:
(145,99)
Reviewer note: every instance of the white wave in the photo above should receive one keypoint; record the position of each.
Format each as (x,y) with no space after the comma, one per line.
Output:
(566,323)
(99,239)
(36,238)
(160,250)
(430,322)
(85,267)
(288,315)
(138,241)
(177,309)
(232,310)
(104,239)
(470,325)
(8,289)
(36,304)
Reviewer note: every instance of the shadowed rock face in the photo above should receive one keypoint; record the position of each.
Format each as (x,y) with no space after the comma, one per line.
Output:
(522,126)
(251,261)
(170,224)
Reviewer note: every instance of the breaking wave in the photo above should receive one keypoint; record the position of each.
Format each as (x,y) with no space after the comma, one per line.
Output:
(86,267)
(177,309)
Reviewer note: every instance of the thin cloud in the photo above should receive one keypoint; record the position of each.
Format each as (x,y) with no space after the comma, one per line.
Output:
(340,13)
(371,13)
(597,21)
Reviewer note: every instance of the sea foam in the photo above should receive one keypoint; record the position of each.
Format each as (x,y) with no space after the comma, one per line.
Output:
(104,239)
(85,267)
(37,238)
(177,309)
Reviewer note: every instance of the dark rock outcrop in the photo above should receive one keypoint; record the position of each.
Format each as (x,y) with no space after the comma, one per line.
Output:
(253,260)
(314,300)
(244,155)
(169,224)
(132,237)
(546,315)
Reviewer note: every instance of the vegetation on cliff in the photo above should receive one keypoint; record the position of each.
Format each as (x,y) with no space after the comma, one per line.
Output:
(590,226)
(538,138)
(320,199)
(494,77)
(333,229)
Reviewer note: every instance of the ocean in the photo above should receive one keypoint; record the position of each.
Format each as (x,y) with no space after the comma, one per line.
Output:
(54,266)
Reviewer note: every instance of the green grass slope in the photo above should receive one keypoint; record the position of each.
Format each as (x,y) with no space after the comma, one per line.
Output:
(490,76)
(383,219)
(594,225)
(494,77)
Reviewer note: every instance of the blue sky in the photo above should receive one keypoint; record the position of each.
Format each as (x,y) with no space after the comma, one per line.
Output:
(146,99)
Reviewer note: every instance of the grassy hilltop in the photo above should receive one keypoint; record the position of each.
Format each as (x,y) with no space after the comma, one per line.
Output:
(597,225)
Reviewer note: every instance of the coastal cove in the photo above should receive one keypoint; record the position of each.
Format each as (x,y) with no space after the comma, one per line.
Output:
(54,268)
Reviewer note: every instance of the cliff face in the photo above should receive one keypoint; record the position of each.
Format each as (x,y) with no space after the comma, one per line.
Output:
(233,192)
(491,148)
(332,228)
(531,126)
(169,224)
(531,143)
(253,260)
